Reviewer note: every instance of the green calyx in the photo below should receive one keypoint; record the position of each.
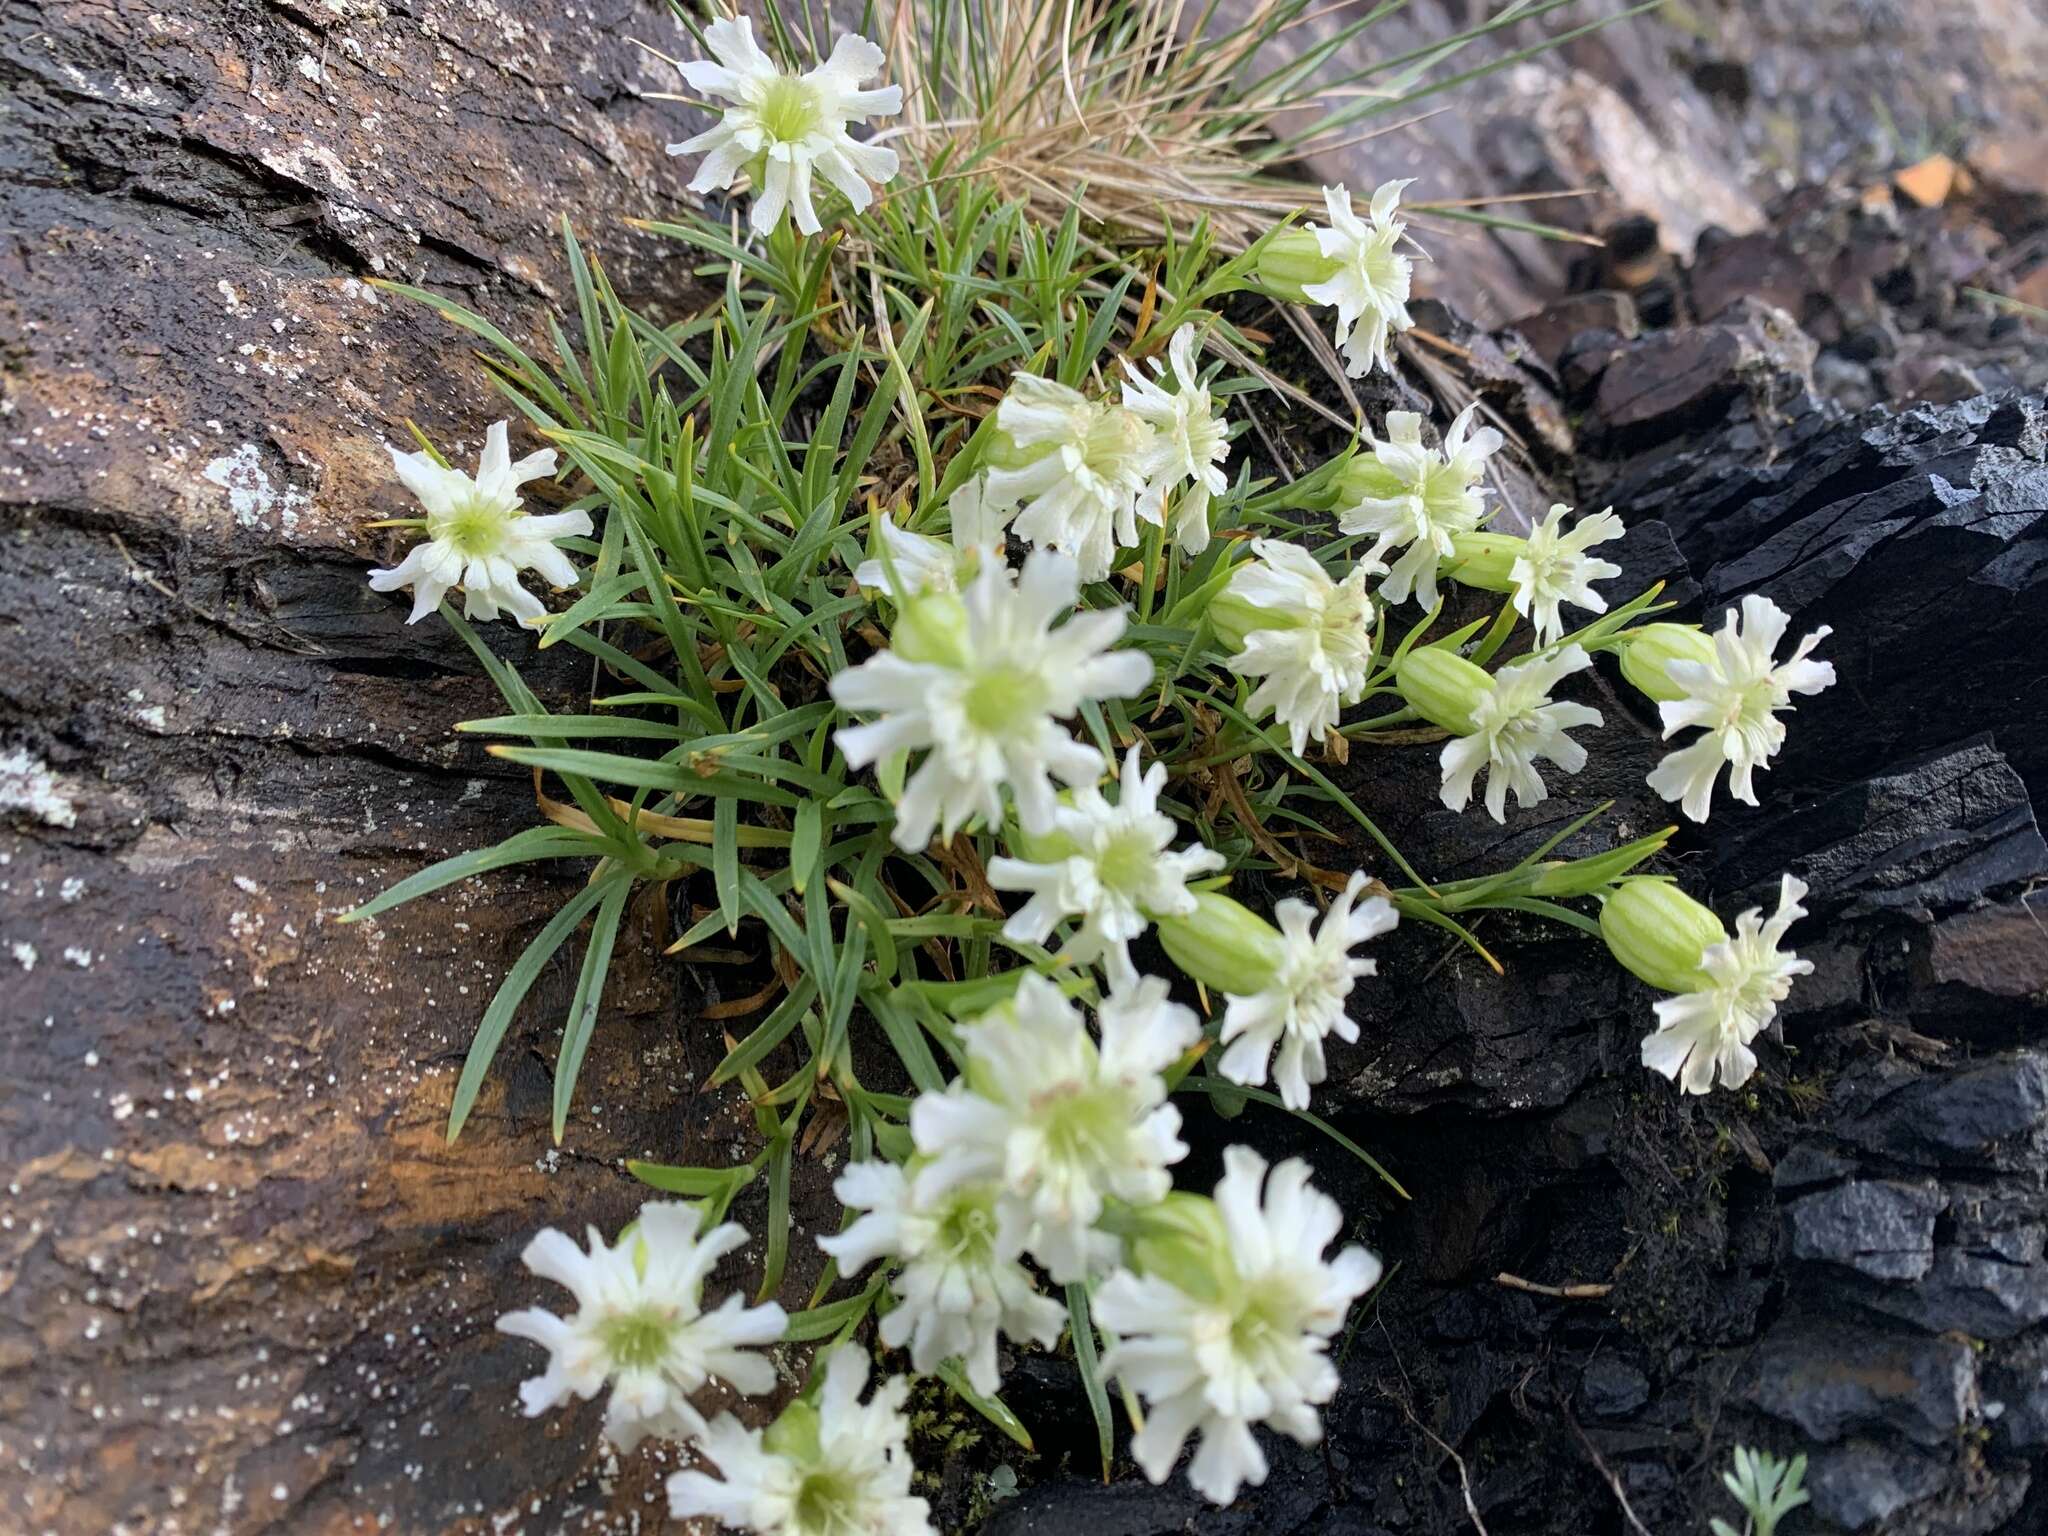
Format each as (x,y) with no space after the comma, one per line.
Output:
(1224,944)
(1646,658)
(1486,560)
(932,627)
(1290,262)
(1659,933)
(1443,688)
(1233,618)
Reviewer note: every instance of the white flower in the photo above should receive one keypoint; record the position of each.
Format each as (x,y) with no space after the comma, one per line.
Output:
(1215,1360)
(1309,637)
(1704,1034)
(1370,286)
(478,536)
(1107,864)
(1305,1000)
(640,1324)
(1737,696)
(833,1467)
(1077,465)
(1553,567)
(987,702)
(1514,725)
(781,128)
(1419,497)
(1188,443)
(1055,1121)
(960,1282)
(924,564)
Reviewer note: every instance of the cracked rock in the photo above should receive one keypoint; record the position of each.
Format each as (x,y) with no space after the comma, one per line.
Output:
(1883,1228)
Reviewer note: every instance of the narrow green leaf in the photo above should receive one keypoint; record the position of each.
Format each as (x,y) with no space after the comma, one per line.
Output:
(1083,1332)
(597,964)
(512,991)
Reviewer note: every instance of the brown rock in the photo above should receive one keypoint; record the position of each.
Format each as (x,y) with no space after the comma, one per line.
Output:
(1548,330)
(245,1284)
(1666,380)
(1748,266)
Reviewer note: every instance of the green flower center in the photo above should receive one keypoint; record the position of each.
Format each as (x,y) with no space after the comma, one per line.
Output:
(789,110)
(829,1503)
(1002,698)
(636,1340)
(968,1231)
(1265,1322)
(1125,862)
(1113,438)
(475,527)
(1084,1126)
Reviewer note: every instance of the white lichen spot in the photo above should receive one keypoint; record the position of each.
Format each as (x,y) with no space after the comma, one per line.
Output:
(28,785)
(251,495)
(24,954)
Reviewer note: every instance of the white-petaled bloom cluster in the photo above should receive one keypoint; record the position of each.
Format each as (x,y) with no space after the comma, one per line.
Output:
(1109,864)
(1417,498)
(1058,1122)
(1553,567)
(782,128)
(984,690)
(1307,636)
(1244,1343)
(960,1283)
(1371,283)
(1189,441)
(1704,1034)
(640,1324)
(1735,692)
(1077,466)
(834,1467)
(921,563)
(1304,1001)
(477,535)
(1514,726)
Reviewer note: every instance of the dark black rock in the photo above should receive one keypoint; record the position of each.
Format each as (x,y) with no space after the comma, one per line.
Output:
(2016,1396)
(1832,1379)
(1861,1482)
(1883,1228)
(1612,1388)
(1987,1278)
(1986,1116)
(1932,834)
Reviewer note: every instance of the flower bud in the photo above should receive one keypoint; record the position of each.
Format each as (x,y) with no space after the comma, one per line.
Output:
(794,1433)
(1290,261)
(1233,617)
(1443,688)
(1365,478)
(1651,649)
(1659,933)
(1182,1239)
(1224,944)
(1486,560)
(932,626)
